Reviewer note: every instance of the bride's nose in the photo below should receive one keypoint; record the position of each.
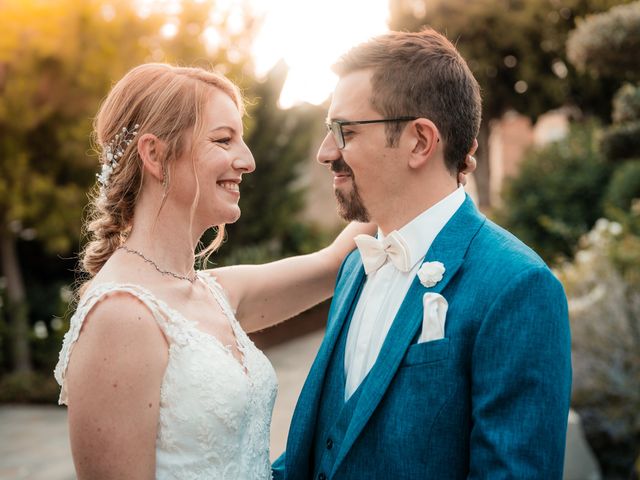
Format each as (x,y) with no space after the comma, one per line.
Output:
(245,161)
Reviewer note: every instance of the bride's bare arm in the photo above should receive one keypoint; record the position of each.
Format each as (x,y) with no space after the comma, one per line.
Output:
(264,295)
(113,383)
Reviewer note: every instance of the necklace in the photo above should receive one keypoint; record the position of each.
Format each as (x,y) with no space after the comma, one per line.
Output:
(155,265)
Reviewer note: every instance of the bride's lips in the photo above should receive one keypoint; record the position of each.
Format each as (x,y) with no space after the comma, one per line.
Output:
(230,185)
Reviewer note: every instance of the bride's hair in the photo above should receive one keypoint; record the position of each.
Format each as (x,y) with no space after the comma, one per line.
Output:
(154,98)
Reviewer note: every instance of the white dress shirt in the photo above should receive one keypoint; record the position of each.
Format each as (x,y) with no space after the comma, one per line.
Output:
(385,289)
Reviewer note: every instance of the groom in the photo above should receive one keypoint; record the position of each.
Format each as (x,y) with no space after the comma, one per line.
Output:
(447,350)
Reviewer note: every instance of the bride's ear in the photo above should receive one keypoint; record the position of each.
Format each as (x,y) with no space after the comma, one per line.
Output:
(151,150)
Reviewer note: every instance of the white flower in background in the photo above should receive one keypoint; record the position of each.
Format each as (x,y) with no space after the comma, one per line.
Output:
(615,229)
(40,329)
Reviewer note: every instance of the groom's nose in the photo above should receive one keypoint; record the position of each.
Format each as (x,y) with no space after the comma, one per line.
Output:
(328,151)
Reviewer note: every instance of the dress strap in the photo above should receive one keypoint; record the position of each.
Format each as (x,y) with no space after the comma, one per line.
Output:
(85,305)
(219,293)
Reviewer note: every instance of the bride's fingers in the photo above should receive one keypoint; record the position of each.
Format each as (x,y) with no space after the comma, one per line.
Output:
(470,166)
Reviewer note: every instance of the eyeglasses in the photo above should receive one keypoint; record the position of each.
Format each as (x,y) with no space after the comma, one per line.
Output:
(335,126)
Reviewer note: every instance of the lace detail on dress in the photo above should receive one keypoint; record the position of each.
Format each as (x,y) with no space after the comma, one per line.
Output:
(215,412)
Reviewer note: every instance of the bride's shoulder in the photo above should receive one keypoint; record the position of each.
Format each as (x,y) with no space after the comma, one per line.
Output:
(116,337)
(115,304)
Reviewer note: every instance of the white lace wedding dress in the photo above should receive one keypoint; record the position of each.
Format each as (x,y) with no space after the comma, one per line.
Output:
(214,412)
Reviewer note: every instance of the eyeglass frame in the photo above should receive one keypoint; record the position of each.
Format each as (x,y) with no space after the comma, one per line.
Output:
(340,123)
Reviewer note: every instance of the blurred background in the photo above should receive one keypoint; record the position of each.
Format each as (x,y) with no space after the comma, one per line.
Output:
(558,165)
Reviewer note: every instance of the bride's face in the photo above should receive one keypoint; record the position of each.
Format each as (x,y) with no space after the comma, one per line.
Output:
(220,158)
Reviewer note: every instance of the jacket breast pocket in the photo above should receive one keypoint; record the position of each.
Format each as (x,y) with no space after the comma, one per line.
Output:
(427,352)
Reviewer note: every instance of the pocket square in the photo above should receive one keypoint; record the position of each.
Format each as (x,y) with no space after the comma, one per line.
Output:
(434,316)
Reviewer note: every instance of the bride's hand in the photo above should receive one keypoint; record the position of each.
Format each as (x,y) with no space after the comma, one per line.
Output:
(470,164)
(344,243)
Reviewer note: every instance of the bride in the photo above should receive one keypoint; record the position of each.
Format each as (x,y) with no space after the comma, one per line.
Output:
(160,378)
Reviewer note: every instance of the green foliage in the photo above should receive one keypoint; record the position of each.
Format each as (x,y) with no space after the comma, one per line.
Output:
(624,186)
(557,195)
(625,252)
(603,287)
(626,104)
(57,61)
(271,201)
(608,43)
(507,41)
(29,387)
(621,141)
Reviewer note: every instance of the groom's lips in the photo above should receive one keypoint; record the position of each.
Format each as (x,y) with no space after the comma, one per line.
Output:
(340,178)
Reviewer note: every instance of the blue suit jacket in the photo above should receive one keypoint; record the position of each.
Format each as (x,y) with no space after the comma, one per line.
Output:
(490,400)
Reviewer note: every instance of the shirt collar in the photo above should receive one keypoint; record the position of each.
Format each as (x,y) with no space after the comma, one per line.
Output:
(420,232)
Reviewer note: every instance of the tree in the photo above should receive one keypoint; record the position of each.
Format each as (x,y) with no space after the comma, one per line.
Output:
(557,195)
(516,50)
(56,61)
(608,43)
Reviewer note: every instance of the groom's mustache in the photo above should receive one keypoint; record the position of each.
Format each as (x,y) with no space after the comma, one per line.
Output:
(340,166)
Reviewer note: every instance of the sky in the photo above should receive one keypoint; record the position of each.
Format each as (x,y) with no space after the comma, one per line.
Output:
(309,35)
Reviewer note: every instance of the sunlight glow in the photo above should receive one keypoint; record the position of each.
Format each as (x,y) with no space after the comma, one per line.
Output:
(310,35)
(169,30)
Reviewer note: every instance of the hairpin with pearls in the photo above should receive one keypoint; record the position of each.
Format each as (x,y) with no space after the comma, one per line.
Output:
(113,151)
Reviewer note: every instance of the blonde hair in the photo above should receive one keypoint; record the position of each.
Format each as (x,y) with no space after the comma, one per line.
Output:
(163,100)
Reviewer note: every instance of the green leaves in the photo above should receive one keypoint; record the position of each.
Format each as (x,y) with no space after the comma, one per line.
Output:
(557,195)
(608,43)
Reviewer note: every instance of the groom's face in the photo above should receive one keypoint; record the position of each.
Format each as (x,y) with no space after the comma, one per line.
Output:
(363,167)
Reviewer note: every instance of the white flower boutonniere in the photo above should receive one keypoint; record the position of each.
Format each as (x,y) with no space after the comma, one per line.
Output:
(431,273)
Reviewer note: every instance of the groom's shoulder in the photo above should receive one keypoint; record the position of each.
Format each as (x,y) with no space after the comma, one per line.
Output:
(494,248)
(350,262)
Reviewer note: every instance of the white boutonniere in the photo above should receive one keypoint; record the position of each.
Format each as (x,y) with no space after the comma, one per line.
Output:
(431,273)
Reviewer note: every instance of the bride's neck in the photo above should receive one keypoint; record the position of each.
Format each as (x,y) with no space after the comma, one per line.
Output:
(170,244)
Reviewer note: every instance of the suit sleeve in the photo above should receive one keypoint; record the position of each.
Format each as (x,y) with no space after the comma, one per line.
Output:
(521,382)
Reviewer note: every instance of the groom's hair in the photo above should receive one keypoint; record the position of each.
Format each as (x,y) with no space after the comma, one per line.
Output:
(422,75)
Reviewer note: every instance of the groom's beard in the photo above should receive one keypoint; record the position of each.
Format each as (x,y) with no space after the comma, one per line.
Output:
(350,206)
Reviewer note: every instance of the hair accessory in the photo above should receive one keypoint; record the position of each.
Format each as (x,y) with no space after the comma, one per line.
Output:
(113,152)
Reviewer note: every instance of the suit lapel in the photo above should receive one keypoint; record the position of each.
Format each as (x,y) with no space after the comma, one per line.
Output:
(450,248)
(304,418)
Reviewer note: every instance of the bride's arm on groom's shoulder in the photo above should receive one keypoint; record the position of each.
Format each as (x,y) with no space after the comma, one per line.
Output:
(264,295)
(113,382)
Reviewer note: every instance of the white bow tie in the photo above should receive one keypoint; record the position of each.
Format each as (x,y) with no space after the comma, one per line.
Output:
(375,253)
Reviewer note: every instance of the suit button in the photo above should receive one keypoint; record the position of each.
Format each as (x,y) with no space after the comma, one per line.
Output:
(322,476)
(329,444)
